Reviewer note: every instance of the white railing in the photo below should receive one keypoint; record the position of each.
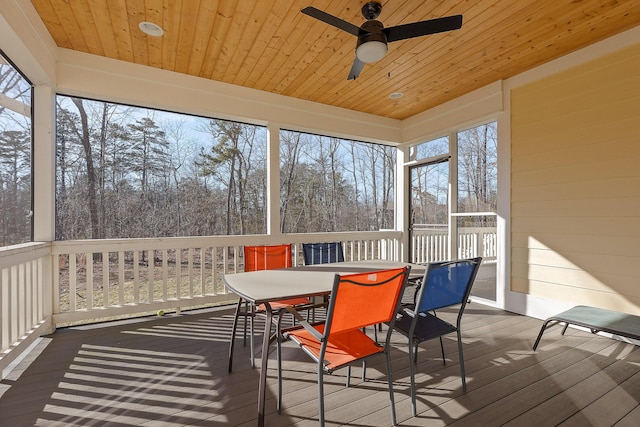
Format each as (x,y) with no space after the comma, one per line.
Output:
(432,244)
(99,279)
(429,245)
(478,241)
(25,295)
(43,285)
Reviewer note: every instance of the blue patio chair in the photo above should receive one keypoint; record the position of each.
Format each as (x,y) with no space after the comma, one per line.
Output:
(322,253)
(444,284)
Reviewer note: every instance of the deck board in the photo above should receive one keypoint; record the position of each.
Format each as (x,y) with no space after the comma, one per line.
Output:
(172,370)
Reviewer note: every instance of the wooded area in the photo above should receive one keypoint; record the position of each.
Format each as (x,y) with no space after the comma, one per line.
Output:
(127,172)
(15,156)
(477,178)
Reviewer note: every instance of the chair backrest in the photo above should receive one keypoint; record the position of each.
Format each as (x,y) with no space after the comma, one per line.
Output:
(267,257)
(365,299)
(322,253)
(447,283)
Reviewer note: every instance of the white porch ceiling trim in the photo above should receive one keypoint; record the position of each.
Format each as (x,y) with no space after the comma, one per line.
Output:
(86,75)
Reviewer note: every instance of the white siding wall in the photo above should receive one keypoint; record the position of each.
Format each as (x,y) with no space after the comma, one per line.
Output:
(575,184)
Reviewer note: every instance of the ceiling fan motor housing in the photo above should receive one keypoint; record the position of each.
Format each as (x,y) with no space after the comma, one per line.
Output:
(372,42)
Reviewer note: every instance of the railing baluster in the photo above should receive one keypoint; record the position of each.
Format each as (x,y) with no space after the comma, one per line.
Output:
(20,298)
(13,305)
(136,276)
(28,286)
(106,275)
(5,305)
(178,273)
(214,269)
(121,277)
(151,275)
(203,270)
(89,282)
(72,282)
(35,297)
(165,274)
(190,271)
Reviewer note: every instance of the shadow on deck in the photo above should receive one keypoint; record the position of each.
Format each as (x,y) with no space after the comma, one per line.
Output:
(172,370)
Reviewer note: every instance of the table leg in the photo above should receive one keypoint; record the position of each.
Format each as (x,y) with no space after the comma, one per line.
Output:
(262,386)
(234,329)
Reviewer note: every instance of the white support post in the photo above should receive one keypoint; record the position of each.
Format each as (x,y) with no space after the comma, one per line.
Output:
(402,210)
(44,148)
(43,171)
(454,239)
(273,180)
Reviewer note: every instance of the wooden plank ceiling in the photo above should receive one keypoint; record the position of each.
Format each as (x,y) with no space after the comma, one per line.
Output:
(269,45)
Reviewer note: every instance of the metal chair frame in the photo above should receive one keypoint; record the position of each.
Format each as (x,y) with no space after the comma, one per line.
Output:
(262,258)
(349,311)
(419,322)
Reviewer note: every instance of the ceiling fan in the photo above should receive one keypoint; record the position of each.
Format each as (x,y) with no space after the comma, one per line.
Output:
(373,37)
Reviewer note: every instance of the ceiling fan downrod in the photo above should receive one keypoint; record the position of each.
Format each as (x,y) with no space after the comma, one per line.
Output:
(371,10)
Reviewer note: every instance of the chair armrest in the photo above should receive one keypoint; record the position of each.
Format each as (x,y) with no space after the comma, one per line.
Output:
(407,311)
(302,323)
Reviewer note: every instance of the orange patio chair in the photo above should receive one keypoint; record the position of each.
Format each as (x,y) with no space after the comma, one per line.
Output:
(357,301)
(261,258)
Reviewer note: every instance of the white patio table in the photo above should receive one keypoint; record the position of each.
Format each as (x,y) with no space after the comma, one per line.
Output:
(266,286)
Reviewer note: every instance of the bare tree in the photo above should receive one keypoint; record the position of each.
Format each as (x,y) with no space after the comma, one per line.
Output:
(291,146)
(15,158)
(83,135)
(477,166)
(231,160)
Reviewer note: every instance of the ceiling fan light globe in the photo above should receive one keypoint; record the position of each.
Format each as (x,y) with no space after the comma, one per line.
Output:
(371,51)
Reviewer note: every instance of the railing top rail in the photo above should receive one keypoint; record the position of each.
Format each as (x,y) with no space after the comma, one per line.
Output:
(17,254)
(115,245)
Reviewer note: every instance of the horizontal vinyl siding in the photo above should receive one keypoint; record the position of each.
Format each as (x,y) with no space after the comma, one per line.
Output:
(575,184)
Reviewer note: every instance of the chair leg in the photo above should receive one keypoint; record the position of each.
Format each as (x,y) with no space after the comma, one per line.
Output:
(233,333)
(262,385)
(320,394)
(246,311)
(251,335)
(348,382)
(442,349)
(364,362)
(542,329)
(412,375)
(364,373)
(461,355)
(390,381)
(279,366)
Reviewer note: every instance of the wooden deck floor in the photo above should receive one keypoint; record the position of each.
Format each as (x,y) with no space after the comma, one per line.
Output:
(171,371)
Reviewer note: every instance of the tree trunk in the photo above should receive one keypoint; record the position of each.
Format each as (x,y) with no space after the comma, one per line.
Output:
(91,174)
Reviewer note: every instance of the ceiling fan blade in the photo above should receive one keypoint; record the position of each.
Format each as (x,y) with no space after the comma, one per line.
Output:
(331,20)
(356,68)
(423,28)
